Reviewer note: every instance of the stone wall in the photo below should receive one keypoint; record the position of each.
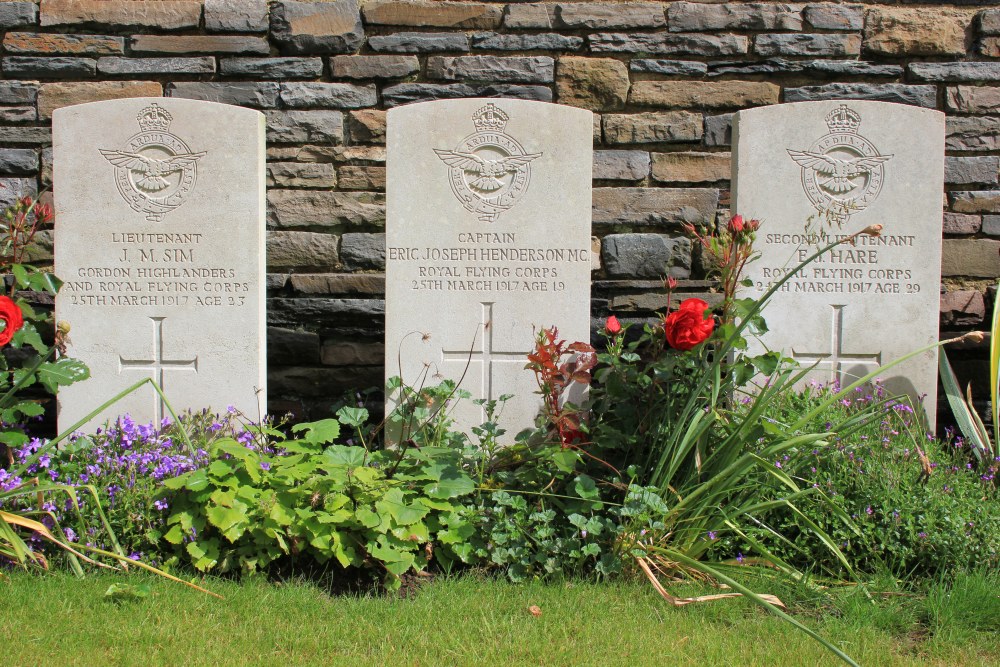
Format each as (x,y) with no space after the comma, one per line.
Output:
(663,79)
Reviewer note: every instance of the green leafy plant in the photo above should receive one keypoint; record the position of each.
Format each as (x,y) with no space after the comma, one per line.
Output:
(961,404)
(388,511)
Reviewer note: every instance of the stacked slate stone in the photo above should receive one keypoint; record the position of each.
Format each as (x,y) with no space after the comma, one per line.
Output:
(662,77)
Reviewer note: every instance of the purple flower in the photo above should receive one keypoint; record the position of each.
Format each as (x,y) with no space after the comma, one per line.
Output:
(264,465)
(739,557)
(161,504)
(70,535)
(711,535)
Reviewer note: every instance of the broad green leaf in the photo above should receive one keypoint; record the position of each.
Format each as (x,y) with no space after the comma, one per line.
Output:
(119,592)
(341,455)
(63,372)
(175,535)
(350,416)
(402,512)
(319,432)
(13,438)
(453,483)
(197,481)
(368,518)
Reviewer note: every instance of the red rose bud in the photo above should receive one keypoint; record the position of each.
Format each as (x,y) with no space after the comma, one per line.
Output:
(671,283)
(752,226)
(12,318)
(688,326)
(735,225)
(612,325)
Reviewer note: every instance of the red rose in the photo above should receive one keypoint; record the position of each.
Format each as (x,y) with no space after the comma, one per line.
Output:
(612,325)
(736,224)
(11,316)
(688,326)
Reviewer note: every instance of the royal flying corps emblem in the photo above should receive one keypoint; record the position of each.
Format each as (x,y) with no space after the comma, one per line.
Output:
(842,172)
(155,171)
(489,171)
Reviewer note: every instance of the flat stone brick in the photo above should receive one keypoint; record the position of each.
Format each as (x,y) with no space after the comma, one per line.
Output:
(419,42)
(704,94)
(236,15)
(116,65)
(652,128)
(47,167)
(691,167)
(669,67)
(962,308)
(321,383)
(272,68)
(299,127)
(17,114)
(189,44)
(975,201)
(263,95)
(827,16)
(599,16)
(989,22)
(719,130)
(18,161)
(990,225)
(324,209)
(989,47)
(301,175)
(810,67)
(955,72)
(621,165)
(12,189)
(822,44)
(972,133)
(961,223)
(348,284)
(49,44)
(289,347)
(362,252)
(162,14)
(26,135)
(18,15)
(971,170)
(422,13)
(535,42)
(895,31)
(662,207)
(301,250)
(366,126)
(327,95)
(921,96)
(348,353)
(18,92)
(592,83)
(646,256)
(533,15)
(354,177)
(689,44)
(374,67)
(525,69)
(55,67)
(317,28)
(696,16)
(975,258)
(54,96)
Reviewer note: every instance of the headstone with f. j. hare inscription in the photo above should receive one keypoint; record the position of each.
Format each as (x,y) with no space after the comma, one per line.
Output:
(488,242)
(815,171)
(160,241)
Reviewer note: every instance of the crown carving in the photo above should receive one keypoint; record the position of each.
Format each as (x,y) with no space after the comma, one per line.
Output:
(490,119)
(154,117)
(843,119)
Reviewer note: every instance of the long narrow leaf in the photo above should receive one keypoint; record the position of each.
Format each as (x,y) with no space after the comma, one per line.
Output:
(995,366)
(959,408)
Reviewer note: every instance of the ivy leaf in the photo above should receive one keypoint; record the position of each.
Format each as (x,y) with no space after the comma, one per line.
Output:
(54,374)
(395,505)
(341,455)
(320,432)
(349,416)
(453,483)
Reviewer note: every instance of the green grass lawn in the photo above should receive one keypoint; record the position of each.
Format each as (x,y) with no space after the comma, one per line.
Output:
(58,620)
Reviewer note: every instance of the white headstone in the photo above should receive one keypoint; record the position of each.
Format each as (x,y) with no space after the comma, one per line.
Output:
(834,168)
(488,242)
(160,241)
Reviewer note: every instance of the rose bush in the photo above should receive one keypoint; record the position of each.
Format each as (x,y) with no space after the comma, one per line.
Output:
(690,325)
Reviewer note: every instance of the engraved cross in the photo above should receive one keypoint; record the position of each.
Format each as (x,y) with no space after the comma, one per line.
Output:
(836,358)
(157,365)
(486,354)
